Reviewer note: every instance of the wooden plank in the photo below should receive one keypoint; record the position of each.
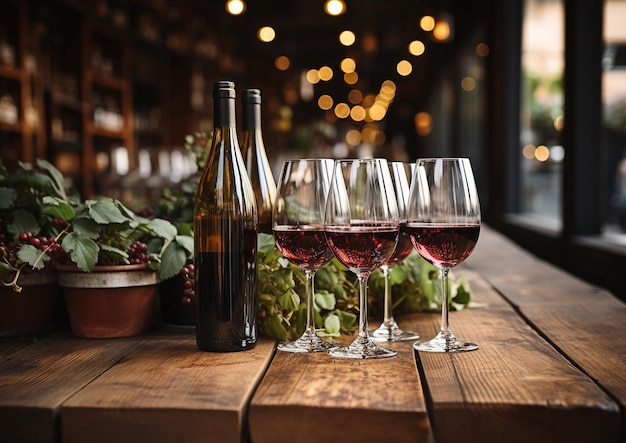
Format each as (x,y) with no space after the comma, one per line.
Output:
(515,388)
(520,276)
(168,390)
(315,397)
(9,345)
(37,379)
(586,323)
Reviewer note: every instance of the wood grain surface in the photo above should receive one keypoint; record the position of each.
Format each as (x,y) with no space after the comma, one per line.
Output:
(167,390)
(316,397)
(35,381)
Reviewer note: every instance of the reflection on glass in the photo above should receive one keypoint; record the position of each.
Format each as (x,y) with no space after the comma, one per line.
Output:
(614,117)
(540,150)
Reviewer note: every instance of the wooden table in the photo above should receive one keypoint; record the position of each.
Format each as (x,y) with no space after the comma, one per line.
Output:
(551,368)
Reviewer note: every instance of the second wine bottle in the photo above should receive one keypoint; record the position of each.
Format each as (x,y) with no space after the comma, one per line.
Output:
(257,164)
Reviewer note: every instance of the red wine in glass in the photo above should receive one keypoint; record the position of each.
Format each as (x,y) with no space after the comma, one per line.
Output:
(298,226)
(403,248)
(305,246)
(363,247)
(362,225)
(443,220)
(444,246)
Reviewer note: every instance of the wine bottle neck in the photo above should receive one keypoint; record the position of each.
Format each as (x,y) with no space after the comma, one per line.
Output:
(251,118)
(224,112)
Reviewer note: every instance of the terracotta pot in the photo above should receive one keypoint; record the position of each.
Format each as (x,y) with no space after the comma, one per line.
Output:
(111,301)
(31,311)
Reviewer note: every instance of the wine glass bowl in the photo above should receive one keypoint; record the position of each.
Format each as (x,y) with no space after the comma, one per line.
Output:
(389,329)
(298,226)
(362,225)
(443,221)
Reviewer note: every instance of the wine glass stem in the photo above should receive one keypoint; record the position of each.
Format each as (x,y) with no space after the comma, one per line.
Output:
(387,306)
(445,324)
(363,305)
(310,316)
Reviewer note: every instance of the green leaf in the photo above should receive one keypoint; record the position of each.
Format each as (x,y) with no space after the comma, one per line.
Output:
(186,242)
(332,325)
(185,229)
(162,228)
(289,300)
(326,278)
(283,280)
(274,327)
(83,251)
(57,208)
(463,295)
(33,256)
(172,261)
(325,300)
(347,320)
(85,227)
(5,268)
(55,174)
(265,243)
(105,211)
(7,197)
(23,221)
(118,255)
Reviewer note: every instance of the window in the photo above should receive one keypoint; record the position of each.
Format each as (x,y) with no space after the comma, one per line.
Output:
(541,113)
(614,119)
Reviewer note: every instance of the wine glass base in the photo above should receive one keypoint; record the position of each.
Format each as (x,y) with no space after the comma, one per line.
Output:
(444,342)
(362,348)
(308,342)
(392,332)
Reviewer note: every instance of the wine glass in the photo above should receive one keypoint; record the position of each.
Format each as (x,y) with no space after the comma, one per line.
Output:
(362,227)
(443,220)
(389,329)
(298,225)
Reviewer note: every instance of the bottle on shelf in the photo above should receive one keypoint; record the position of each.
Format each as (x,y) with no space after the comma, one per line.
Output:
(257,165)
(225,231)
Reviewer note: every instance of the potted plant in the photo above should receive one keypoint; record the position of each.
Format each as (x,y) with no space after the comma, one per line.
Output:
(114,260)
(28,294)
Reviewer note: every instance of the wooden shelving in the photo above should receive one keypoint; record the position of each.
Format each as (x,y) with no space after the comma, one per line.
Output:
(16,87)
(90,77)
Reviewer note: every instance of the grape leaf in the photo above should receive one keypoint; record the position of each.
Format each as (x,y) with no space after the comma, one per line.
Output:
(7,197)
(173,259)
(163,228)
(57,208)
(55,175)
(83,251)
(332,325)
(31,255)
(186,242)
(325,300)
(289,301)
(105,211)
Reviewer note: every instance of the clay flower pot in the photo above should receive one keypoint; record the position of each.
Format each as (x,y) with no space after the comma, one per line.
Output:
(31,311)
(111,301)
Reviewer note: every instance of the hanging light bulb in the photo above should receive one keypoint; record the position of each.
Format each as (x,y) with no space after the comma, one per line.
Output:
(334,7)
(235,7)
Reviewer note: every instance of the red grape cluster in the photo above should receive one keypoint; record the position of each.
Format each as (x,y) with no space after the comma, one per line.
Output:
(138,253)
(49,246)
(189,292)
